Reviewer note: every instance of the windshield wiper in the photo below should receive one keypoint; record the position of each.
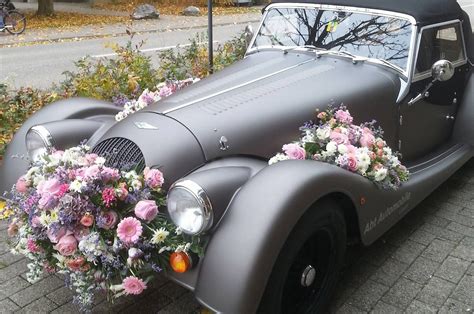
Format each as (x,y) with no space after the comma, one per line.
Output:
(285,51)
(385,62)
(354,58)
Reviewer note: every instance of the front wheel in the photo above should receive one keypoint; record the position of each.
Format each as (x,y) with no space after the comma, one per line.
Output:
(15,22)
(306,271)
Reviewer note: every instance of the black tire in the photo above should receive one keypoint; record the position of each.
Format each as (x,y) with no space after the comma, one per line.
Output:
(319,240)
(15,22)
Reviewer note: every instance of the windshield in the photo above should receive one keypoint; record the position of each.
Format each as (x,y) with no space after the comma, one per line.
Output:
(361,34)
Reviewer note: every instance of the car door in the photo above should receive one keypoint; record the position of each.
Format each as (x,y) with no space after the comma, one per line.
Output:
(428,123)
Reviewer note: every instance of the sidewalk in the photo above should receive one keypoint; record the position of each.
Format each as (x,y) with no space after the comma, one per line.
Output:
(163,24)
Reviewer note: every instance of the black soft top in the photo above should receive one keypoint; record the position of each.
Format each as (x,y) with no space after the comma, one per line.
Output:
(424,11)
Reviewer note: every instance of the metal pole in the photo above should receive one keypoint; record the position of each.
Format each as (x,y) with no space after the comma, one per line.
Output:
(209,35)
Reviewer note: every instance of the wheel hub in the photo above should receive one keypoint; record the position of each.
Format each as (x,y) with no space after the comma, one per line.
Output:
(308,276)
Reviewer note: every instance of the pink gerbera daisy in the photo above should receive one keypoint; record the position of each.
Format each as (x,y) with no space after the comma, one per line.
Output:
(129,230)
(133,285)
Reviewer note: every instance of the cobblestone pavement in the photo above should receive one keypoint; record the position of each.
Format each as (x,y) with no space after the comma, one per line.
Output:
(423,265)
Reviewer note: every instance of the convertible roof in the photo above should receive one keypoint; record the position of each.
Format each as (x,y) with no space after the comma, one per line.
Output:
(424,11)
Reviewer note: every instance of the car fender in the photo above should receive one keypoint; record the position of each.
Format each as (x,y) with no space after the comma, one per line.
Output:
(241,253)
(464,128)
(73,108)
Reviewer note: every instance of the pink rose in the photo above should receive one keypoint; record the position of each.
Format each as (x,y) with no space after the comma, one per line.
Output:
(76,264)
(352,162)
(67,245)
(54,237)
(367,140)
(12,229)
(109,174)
(46,201)
(294,151)
(153,178)
(51,187)
(35,222)
(322,115)
(343,116)
(92,172)
(91,158)
(87,220)
(339,138)
(21,185)
(108,219)
(81,232)
(351,149)
(146,210)
(122,191)
(380,143)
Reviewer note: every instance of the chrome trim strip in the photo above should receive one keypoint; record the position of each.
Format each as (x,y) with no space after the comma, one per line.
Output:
(424,75)
(44,134)
(235,87)
(201,197)
(406,72)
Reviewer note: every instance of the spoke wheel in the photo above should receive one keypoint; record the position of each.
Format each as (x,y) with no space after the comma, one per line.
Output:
(306,271)
(15,22)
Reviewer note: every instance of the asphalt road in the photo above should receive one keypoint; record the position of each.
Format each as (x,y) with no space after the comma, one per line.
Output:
(43,64)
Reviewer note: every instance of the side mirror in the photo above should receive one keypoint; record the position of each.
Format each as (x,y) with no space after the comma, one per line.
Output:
(442,70)
(248,34)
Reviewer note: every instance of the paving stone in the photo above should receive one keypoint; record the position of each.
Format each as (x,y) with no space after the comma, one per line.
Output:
(341,295)
(349,309)
(61,295)
(408,252)
(421,270)
(402,293)
(418,307)
(186,304)
(151,304)
(9,258)
(448,207)
(68,308)
(37,290)
(172,290)
(469,212)
(8,306)
(467,231)
(454,306)
(422,237)
(442,232)
(384,308)
(452,269)
(438,250)
(460,219)
(398,235)
(357,274)
(464,292)
(436,292)
(13,270)
(470,270)
(389,272)
(437,220)
(12,286)
(368,295)
(377,253)
(42,305)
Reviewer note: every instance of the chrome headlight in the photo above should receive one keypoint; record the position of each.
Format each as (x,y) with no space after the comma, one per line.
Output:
(189,207)
(38,142)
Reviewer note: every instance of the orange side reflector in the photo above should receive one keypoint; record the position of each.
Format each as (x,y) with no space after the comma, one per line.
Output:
(180,262)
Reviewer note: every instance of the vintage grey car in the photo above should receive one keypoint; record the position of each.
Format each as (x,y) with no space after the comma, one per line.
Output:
(277,234)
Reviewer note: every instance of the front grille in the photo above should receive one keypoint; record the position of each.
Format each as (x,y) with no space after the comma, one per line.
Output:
(120,153)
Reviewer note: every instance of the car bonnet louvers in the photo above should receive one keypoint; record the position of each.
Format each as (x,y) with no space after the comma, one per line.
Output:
(120,152)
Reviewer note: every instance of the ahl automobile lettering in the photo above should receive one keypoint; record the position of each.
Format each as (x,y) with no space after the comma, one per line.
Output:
(401,205)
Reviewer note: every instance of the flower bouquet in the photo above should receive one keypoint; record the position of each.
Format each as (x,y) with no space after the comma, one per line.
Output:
(358,148)
(101,227)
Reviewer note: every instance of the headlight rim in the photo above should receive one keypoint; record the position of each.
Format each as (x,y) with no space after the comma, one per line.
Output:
(44,135)
(200,195)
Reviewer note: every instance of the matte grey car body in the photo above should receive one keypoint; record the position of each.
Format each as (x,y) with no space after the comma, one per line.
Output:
(221,131)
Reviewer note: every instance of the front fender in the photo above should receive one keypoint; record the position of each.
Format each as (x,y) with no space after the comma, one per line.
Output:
(73,108)
(243,249)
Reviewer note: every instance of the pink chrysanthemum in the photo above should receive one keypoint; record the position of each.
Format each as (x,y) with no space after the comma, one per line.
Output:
(133,285)
(129,230)
(108,196)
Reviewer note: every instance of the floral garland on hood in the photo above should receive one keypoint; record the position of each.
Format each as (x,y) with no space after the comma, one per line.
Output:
(358,148)
(99,226)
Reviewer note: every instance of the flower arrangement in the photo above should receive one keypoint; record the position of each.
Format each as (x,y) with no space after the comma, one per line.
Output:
(101,227)
(334,139)
(148,97)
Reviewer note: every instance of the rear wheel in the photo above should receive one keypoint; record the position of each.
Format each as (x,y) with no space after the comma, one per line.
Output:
(305,274)
(15,22)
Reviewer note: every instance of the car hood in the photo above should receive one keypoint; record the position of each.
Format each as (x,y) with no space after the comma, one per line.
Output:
(256,105)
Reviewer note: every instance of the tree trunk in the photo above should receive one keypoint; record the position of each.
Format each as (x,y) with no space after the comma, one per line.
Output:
(45,7)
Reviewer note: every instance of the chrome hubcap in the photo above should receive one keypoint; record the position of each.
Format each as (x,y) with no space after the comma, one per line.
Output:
(308,276)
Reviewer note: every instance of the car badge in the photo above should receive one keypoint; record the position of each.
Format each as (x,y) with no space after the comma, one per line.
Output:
(145,126)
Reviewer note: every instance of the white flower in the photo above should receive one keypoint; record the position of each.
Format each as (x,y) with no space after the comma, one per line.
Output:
(136,185)
(387,151)
(159,236)
(308,138)
(178,231)
(331,148)
(45,219)
(277,158)
(323,133)
(77,186)
(342,149)
(165,248)
(380,174)
(363,161)
(394,162)
(100,161)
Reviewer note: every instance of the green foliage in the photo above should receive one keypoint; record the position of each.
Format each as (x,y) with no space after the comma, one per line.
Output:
(127,74)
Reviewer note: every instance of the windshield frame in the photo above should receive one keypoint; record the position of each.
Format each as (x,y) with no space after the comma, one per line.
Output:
(407,72)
